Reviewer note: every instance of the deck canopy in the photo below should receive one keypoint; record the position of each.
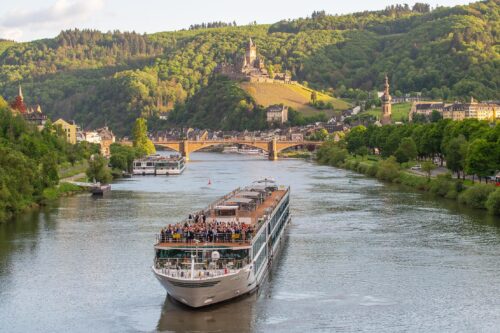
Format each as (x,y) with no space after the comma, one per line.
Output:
(225,210)
(249,194)
(239,200)
(243,203)
(226,207)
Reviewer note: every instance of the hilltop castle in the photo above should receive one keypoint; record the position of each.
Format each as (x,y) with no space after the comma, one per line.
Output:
(251,68)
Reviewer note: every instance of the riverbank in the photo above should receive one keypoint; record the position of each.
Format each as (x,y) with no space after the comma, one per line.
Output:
(296,154)
(474,195)
(63,190)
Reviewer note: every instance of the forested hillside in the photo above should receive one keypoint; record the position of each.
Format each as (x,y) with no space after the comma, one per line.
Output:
(114,77)
(29,161)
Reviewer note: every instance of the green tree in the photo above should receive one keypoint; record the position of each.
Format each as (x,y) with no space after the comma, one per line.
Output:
(406,151)
(481,158)
(98,169)
(435,116)
(427,167)
(119,161)
(141,140)
(357,138)
(493,202)
(456,154)
(122,157)
(49,170)
(388,169)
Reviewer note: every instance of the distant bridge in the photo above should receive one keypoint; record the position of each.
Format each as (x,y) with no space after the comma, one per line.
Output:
(272,147)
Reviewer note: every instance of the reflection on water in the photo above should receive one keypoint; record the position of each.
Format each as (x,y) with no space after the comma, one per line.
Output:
(234,316)
(359,255)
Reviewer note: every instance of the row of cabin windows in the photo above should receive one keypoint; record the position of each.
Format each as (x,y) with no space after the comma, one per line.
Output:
(259,242)
(281,225)
(280,210)
(260,260)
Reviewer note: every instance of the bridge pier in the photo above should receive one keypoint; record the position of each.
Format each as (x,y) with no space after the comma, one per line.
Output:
(273,150)
(184,149)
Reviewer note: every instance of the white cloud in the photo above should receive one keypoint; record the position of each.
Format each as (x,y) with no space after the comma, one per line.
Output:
(11,33)
(60,15)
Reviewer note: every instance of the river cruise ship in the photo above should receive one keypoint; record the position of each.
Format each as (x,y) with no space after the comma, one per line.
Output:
(159,165)
(225,250)
(230,150)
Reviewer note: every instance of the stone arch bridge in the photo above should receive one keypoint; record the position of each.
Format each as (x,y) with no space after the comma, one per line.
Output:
(272,147)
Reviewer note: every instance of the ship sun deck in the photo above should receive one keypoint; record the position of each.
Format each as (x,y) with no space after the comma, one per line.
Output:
(241,213)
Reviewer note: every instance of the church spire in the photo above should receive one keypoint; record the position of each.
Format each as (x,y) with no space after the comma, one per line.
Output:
(386,103)
(20,94)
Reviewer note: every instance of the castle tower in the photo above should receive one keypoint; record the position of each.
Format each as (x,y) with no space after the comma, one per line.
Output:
(251,53)
(386,104)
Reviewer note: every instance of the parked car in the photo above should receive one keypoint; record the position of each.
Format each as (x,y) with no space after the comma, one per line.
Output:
(416,167)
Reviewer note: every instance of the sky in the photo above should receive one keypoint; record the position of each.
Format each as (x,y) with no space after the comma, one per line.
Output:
(25,20)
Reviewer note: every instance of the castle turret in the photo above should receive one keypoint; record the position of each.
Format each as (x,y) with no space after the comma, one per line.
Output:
(251,53)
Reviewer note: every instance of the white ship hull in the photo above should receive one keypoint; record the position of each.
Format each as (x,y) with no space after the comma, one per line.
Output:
(144,172)
(169,172)
(249,151)
(157,165)
(177,171)
(202,292)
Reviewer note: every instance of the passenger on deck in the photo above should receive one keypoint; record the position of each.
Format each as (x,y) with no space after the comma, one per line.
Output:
(215,231)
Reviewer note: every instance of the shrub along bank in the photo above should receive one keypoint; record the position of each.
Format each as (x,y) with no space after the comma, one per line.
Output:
(481,196)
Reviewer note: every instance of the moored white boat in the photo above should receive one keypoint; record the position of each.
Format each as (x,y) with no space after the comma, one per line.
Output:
(159,165)
(249,151)
(230,150)
(225,250)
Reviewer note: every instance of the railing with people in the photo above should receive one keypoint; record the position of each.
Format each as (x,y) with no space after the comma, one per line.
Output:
(195,238)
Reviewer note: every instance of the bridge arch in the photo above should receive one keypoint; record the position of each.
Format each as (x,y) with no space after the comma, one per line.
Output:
(175,146)
(195,146)
(282,146)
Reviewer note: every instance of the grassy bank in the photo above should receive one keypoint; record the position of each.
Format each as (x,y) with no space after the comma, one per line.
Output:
(66,170)
(479,196)
(295,154)
(64,189)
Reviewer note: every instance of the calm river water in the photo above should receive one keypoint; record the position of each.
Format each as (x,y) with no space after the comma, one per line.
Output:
(359,256)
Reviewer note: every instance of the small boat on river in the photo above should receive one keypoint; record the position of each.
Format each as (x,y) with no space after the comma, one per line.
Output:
(225,250)
(100,189)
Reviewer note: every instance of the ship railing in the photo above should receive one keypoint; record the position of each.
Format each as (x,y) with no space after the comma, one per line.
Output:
(196,274)
(206,264)
(198,238)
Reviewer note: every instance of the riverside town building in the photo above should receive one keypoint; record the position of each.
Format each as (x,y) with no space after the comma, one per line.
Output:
(458,111)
